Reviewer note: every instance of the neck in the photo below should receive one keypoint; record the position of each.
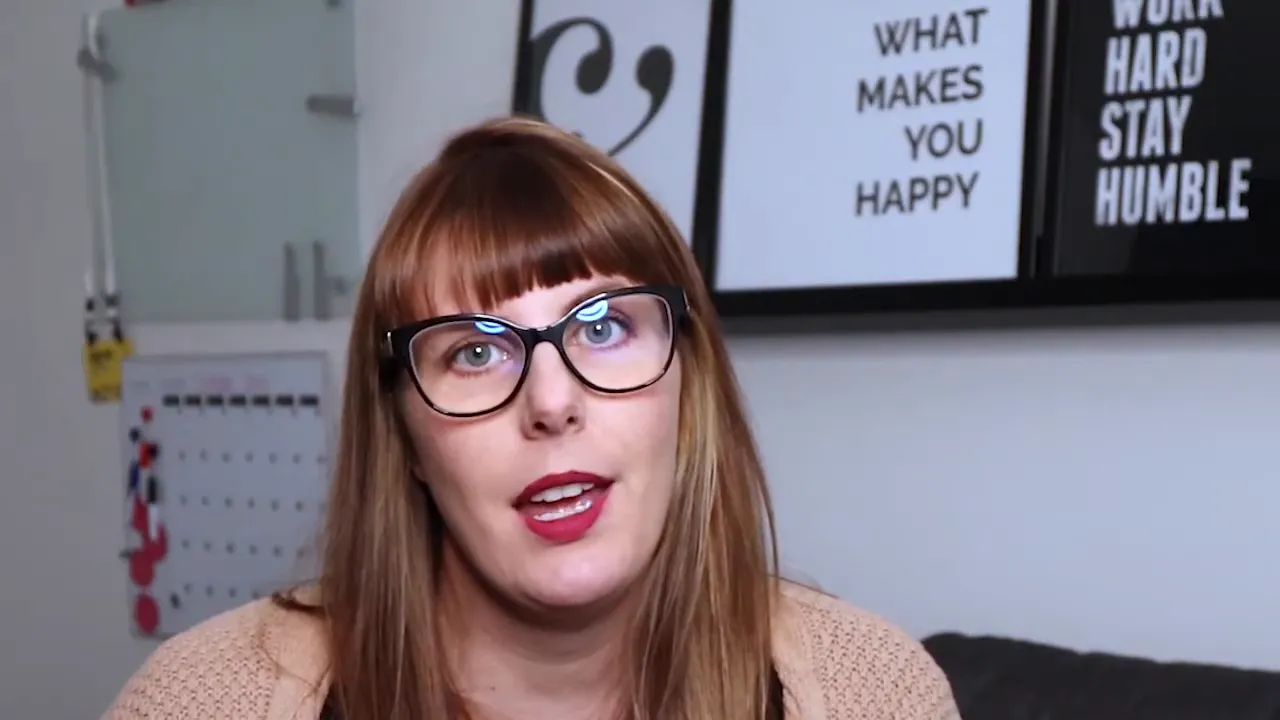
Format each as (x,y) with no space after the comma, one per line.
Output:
(515,661)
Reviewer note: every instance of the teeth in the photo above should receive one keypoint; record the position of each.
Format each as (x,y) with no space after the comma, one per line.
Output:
(556,494)
(579,507)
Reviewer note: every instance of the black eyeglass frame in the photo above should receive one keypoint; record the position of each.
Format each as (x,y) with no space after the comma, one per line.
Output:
(398,343)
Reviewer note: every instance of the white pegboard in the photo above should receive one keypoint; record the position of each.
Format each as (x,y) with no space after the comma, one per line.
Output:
(226,472)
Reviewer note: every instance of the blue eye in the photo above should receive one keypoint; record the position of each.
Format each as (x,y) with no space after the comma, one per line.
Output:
(594,311)
(490,328)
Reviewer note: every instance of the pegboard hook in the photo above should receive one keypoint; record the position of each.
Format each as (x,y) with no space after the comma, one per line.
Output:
(89,58)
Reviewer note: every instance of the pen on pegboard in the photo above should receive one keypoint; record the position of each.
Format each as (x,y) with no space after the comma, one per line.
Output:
(153,507)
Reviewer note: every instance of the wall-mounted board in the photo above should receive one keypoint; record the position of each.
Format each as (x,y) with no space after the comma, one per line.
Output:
(1165,161)
(225,480)
(230,143)
(868,147)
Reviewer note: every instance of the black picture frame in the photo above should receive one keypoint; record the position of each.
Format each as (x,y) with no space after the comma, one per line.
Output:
(659,70)
(855,299)
(522,88)
(1122,288)
(1036,286)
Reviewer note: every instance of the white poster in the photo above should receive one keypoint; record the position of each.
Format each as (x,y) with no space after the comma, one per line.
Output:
(872,142)
(628,77)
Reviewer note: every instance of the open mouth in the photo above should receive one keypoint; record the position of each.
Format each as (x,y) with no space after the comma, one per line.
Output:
(564,501)
(564,507)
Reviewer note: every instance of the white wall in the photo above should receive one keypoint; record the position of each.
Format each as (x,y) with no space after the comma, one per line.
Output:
(1105,488)
(1100,488)
(61,588)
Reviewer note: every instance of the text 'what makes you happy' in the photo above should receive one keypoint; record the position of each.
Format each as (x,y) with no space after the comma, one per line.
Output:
(924,144)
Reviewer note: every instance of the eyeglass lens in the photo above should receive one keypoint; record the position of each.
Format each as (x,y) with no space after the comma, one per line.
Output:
(617,344)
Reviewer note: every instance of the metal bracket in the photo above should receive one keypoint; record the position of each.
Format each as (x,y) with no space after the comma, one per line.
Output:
(100,69)
(325,286)
(323,310)
(89,57)
(334,105)
(292,285)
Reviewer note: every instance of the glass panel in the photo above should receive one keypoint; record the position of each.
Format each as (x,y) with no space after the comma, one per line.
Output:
(217,161)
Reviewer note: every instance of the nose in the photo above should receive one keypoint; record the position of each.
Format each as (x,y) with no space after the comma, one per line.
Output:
(552,402)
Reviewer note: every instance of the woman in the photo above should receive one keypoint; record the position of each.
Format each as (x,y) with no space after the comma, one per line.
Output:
(547,502)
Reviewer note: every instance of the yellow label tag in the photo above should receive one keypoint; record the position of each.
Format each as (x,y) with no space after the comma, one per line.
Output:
(103,368)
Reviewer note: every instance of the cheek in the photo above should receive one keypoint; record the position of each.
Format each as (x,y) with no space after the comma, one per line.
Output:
(649,432)
(672,387)
(454,459)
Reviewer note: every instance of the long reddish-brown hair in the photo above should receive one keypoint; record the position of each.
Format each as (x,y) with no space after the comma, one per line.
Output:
(511,205)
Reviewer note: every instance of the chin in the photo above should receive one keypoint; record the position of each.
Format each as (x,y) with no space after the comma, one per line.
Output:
(575,578)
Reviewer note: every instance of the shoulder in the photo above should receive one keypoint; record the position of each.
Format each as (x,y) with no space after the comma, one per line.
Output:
(862,666)
(227,667)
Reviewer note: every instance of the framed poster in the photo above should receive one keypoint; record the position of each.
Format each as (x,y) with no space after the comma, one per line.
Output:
(866,149)
(628,77)
(1164,161)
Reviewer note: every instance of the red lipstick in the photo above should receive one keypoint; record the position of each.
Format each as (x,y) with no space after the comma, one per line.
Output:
(563,507)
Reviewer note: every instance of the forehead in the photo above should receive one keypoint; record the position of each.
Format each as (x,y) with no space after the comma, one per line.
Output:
(540,305)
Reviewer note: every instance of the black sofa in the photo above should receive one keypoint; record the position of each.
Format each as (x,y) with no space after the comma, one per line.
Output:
(1004,679)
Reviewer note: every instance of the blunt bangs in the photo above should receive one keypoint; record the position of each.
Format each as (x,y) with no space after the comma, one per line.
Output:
(489,222)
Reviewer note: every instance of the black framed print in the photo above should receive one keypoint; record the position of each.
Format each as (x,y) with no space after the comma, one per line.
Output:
(870,154)
(626,76)
(1165,161)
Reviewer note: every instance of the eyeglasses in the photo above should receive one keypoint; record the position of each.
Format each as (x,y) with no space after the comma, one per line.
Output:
(616,342)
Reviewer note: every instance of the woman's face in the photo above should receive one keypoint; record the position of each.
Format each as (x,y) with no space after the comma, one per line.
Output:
(614,455)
